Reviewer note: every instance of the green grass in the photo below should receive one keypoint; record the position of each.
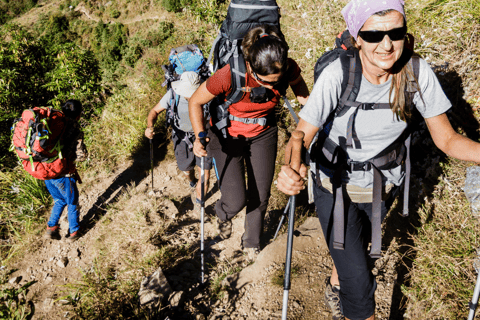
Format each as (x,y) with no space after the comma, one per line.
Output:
(442,278)
(13,302)
(278,277)
(24,201)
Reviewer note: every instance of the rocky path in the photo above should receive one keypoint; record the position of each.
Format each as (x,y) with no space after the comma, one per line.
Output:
(251,291)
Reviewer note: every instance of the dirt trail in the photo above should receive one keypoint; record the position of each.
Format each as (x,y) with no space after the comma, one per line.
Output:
(55,265)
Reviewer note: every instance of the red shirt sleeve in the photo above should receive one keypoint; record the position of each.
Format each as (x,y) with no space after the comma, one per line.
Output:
(220,82)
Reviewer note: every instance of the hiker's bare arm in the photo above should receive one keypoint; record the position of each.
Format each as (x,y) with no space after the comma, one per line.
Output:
(289,181)
(451,142)
(195,110)
(300,89)
(151,119)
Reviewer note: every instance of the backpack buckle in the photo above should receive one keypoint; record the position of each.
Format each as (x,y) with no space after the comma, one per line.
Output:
(359,166)
(367,106)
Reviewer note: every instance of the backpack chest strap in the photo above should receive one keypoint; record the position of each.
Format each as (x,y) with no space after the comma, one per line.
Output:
(259,121)
(351,132)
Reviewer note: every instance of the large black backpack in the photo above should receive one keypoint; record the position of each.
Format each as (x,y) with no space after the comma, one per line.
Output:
(324,153)
(242,15)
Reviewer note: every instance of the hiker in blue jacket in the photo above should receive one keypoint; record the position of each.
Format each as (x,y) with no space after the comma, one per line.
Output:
(379,31)
(175,102)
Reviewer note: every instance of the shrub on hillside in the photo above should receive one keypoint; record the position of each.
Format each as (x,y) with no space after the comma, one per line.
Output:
(108,42)
(175,5)
(10,9)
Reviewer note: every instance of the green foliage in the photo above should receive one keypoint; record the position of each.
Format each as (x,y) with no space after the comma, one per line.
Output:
(10,9)
(55,30)
(22,65)
(76,75)
(176,5)
(206,10)
(109,42)
(13,304)
(23,200)
(157,37)
(114,13)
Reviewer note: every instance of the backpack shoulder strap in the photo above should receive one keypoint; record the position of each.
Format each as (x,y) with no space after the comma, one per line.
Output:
(352,77)
(412,81)
(238,70)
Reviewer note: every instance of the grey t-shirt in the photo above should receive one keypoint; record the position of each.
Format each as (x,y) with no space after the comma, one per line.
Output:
(183,122)
(375,129)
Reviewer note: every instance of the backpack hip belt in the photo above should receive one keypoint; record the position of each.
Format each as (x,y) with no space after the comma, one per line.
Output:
(399,155)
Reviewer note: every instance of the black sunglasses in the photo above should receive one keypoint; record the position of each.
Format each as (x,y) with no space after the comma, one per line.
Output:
(376,36)
(271,83)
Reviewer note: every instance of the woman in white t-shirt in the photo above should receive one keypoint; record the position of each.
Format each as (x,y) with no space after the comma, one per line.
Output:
(367,139)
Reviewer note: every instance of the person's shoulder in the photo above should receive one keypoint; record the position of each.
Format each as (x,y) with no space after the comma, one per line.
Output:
(333,71)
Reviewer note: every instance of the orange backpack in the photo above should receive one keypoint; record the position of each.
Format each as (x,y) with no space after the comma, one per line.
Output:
(37,141)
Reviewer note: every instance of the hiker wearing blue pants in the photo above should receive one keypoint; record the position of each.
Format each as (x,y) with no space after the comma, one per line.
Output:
(64,188)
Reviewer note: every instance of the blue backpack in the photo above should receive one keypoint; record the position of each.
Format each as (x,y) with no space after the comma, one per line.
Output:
(185,58)
(182,59)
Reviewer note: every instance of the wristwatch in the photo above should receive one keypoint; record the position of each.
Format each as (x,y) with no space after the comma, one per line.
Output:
(202,134)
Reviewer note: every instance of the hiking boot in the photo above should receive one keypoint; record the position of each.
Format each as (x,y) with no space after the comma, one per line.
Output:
(73,236)
(251,253)
(332,300)
(224,229)
(53,232)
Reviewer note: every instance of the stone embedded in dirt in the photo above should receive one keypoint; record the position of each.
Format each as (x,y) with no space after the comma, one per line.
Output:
(74,253)
(62,263)
(154,289)
(48,304)
(169,209)
(176,299)
(308,235)
(15,280)
(172,169)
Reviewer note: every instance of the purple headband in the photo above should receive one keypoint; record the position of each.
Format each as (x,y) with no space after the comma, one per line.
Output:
(356,12)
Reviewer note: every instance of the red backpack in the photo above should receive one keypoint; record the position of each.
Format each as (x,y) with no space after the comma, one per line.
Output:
(37,141)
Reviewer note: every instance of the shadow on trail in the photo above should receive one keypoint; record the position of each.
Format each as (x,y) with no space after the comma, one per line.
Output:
(426,170)
(133,175)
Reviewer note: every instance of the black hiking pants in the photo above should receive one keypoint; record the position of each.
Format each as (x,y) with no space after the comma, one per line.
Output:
(357,283)
(232,157)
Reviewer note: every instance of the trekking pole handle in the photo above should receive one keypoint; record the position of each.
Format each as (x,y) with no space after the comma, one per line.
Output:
(203,138)
(297,141)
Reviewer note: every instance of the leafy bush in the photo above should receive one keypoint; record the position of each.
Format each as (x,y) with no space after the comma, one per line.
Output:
(165,30)
(75,74)
(22,66)
(175,5)
(23,200)
(114,13)
(108,43)
(10,9)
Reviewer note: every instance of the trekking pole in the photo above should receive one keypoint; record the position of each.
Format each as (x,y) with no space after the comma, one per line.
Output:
(472,192)
(297,140)
(151,159)
(202,135)
(474,303)
(283,218)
